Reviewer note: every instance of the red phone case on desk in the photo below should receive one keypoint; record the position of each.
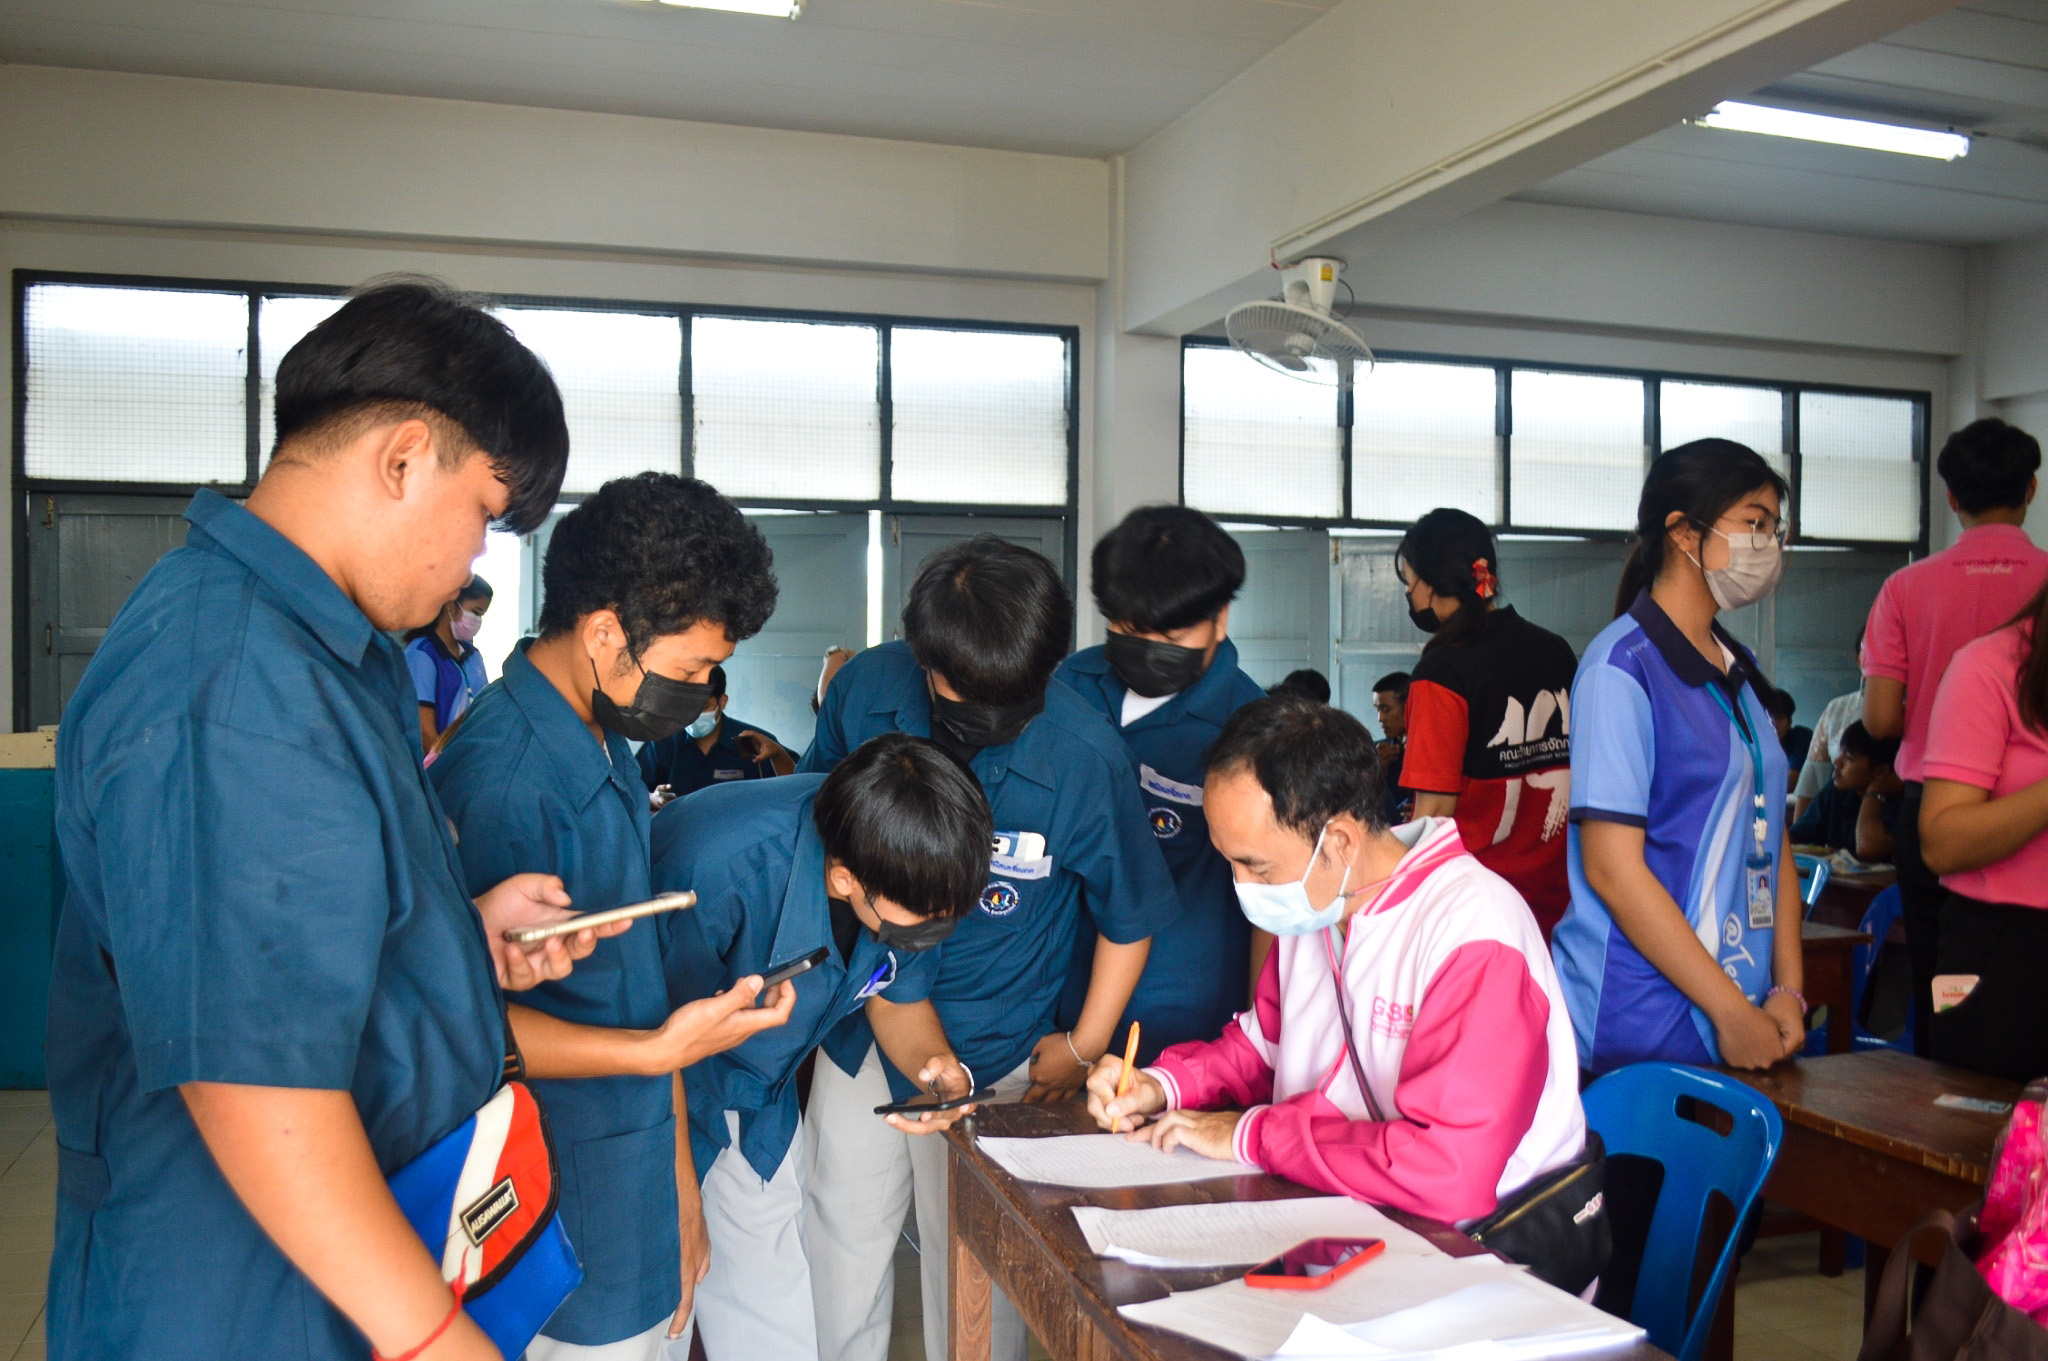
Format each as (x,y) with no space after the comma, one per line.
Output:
(1255,1278)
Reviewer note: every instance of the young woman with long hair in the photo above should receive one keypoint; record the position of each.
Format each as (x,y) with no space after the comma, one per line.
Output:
(1680,867)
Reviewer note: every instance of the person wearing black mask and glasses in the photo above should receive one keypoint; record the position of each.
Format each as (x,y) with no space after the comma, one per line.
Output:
(985,624)
(1168,679)
(647,586)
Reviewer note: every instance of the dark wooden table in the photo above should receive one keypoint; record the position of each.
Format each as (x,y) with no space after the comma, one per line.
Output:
(1020,1236)
(1867,1151)
(1830,978)
(1847,897)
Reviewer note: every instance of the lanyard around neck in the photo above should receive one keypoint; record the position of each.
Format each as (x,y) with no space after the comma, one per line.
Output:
(1761,808)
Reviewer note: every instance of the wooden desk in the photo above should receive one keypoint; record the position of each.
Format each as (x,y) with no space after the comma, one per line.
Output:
(1866,1150)
(1830,978)
(1020,1236)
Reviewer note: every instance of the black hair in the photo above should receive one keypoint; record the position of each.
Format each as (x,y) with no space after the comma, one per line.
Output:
(1879,751)
(1452,552)
(1987,464)
(1307,682)
(1700,481)
(478,589)
(1166,568)
(716,680)
(991,617)
(910,823)
(1397,681)
(413,347)
(1780,704)
(1315,761)
(665,553)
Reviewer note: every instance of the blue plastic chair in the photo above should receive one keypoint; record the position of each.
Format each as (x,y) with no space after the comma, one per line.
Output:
(1878,918)
(1635,1111)
(1813,877)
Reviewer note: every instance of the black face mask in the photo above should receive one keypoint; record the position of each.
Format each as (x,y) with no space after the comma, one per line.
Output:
(661,707)
(914,939)
(972,725)
(1150,668)
(1425,620)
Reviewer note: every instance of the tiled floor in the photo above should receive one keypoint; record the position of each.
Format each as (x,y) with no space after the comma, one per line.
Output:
(1784,1311)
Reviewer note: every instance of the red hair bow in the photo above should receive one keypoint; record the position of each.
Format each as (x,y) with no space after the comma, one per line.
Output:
(1483,580)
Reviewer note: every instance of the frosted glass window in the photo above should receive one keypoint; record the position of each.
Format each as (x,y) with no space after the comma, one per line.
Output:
(1747,415)
(1256,442)
(980,417)
(1422,436)
(280,324)
(136,384)
(1576,450)
(786,410)
(621,379)
(1858,476)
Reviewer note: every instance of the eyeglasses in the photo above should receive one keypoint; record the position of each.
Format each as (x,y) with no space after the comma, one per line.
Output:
(1761,530)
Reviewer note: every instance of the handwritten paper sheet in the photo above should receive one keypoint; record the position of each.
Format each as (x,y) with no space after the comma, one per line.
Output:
(1104,1162)
(1236,1233)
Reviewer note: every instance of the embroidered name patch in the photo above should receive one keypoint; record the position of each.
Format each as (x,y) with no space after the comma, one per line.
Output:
(1157,785)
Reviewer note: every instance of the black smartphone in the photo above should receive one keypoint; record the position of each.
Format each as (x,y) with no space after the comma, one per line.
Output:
(790,968)
(924,1105)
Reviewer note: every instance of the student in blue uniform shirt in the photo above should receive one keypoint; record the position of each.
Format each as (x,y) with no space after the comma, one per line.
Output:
(447,670)
(271,988)
(648,584)
(714,748)
(1168,679)
(985,624)
(874,864)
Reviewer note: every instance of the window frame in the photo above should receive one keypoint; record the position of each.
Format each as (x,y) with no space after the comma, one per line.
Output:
(1652,379)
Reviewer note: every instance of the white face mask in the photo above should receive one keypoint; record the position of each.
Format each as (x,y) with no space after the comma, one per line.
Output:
(1751,574)
(701,726)
(1284,909)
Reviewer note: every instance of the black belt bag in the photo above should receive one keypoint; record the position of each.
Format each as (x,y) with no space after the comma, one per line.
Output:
(1557,1225)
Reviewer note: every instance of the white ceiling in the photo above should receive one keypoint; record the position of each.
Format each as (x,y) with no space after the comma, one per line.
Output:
(1982,67)
(1087,77)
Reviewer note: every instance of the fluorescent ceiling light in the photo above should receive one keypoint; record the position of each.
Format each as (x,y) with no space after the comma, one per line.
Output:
(1819,127)
(772,9)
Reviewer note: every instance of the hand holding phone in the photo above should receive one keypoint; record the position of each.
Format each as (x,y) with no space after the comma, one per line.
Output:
(1313,1265)
(788,969)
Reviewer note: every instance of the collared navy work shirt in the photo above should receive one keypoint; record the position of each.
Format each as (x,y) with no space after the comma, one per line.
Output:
(752,854)
(1199,972)
(262,891)
(530,789)
(1070,833)
(685,767)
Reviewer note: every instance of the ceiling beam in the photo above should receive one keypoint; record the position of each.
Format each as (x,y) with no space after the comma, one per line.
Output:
(1385,117)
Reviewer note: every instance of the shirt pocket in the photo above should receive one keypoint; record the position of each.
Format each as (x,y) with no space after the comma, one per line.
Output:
(622,1217)
(1015,882)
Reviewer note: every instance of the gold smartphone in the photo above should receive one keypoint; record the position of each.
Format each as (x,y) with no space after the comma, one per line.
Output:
(667,902)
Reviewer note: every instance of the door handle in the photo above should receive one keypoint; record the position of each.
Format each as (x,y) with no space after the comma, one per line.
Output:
(49,639)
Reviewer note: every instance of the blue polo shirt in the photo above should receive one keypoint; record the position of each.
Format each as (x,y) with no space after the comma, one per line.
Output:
(1652,748)
(1198,974)
(752,855)
(529,789)
(685,767)
(1071,833)
(262,891)
(448,683)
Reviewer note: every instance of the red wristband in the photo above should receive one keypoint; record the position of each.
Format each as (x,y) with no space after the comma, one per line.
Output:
(432,1337)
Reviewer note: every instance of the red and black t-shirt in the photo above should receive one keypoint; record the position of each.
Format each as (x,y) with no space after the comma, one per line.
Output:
(1489,720)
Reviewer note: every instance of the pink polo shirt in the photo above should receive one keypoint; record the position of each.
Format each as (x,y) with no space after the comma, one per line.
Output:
(1926,611)
(1977,738)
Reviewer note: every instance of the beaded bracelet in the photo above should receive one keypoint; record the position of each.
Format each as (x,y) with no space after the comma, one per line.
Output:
(1794,994)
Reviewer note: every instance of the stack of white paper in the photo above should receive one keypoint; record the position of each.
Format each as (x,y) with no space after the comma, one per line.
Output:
(1237,1233)
(1451,1309)
(1103,1162)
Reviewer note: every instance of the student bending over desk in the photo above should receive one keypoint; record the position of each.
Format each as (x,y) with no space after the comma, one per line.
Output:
(1436,1073)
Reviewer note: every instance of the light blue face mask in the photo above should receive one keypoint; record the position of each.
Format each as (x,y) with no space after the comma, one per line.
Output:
(1284,909)
(702,725)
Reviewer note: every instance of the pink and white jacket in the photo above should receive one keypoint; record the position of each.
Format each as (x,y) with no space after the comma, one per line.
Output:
(1461,1030)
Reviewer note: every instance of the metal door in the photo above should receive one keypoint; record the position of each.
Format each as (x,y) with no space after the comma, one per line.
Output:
(1280,621)
(821,568)
(86,553)
(907,540)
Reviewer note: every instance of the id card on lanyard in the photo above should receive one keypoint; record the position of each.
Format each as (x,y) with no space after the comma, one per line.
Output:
(1762,901)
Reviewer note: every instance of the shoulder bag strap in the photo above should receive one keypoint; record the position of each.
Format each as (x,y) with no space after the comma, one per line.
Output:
(1344,1017)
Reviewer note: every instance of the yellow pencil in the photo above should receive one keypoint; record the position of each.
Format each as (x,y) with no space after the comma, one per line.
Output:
(1123,1079)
